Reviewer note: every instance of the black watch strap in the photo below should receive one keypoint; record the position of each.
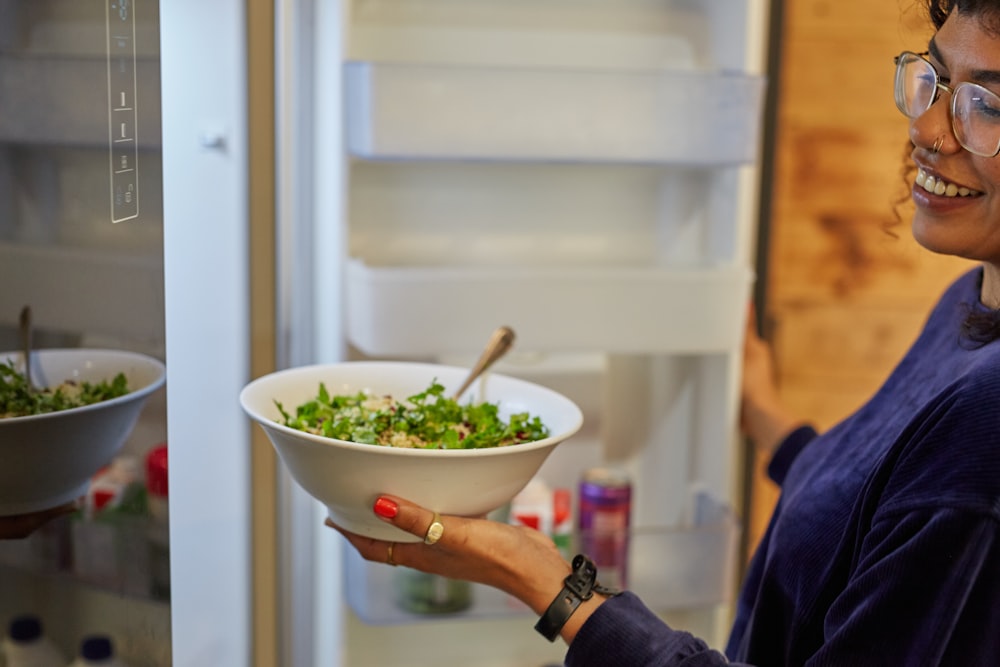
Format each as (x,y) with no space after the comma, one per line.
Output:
(555,617)
(579,586)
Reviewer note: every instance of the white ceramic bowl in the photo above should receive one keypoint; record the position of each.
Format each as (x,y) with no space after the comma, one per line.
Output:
(347,477)
(49,459)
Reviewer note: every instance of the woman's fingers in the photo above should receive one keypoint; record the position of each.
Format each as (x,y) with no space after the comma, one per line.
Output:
(429,526)
(414,519)
(369,548)
(515,559)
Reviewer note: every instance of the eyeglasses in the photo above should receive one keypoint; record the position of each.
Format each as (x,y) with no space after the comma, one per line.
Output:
(975,111)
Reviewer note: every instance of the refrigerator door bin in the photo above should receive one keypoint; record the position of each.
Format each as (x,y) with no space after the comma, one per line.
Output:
(460,112)
(642,310)
(47,551)
(621,34)
(111,554)
(671,568)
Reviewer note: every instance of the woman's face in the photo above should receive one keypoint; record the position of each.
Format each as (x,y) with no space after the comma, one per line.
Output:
(966,226)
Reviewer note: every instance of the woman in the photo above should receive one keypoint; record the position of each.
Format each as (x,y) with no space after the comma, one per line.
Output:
(884,548)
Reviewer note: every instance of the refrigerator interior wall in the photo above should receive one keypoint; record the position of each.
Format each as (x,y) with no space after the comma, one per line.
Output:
(90,282)
(583,171)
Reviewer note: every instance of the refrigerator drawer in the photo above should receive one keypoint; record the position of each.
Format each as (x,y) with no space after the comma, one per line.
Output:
(417,111)
(436,310)
(670,568)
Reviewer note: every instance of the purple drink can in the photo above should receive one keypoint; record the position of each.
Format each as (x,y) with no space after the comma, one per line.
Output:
(604,519)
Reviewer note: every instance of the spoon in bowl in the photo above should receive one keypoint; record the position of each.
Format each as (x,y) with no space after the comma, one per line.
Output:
(498,345)
(26,345)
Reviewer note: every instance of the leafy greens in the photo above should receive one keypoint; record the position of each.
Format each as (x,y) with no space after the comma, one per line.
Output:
(428,420)
(17,401)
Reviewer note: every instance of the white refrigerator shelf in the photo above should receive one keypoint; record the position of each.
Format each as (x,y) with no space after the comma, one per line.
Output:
(618,310)
(670,568)
(420,111)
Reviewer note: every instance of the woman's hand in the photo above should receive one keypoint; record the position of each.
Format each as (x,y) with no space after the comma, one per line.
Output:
(518,560)
(763,418)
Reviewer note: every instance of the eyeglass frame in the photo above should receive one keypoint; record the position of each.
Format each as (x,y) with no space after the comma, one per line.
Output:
(938,87)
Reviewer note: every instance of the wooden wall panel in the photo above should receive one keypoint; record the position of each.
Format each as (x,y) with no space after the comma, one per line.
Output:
(845,297)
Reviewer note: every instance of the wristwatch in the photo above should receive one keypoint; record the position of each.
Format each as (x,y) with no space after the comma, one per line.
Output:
(578,587)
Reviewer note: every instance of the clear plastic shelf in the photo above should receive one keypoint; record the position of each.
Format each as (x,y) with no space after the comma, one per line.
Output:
(422,111)
(641,310)
(112,554)
(670,568)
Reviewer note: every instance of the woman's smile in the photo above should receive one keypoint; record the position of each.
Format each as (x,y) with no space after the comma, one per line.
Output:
(937,185)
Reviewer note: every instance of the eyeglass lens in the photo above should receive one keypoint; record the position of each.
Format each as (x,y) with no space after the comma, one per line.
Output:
(975,111)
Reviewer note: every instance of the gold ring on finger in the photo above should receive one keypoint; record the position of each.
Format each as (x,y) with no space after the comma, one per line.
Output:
(434,531)
(388,556)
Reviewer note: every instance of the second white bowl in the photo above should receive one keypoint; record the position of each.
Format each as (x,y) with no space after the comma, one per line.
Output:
(48,459)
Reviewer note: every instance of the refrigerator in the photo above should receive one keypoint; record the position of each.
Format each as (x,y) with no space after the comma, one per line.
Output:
(81,246)
(393,179)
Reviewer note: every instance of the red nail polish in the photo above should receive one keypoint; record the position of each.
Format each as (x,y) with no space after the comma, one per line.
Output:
(386,508)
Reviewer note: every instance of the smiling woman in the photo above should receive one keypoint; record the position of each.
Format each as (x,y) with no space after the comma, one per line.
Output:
(959,119)
(846,284)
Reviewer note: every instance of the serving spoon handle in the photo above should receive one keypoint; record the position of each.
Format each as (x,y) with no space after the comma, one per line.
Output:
(497,346)
(26,345)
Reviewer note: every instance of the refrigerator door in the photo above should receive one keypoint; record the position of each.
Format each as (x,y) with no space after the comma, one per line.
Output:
(249,561)
(206,155)
(81,245)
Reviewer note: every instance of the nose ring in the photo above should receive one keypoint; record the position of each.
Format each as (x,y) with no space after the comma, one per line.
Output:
(937,144)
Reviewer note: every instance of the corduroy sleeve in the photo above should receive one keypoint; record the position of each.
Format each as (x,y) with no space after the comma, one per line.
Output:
(624,632)
(786,452)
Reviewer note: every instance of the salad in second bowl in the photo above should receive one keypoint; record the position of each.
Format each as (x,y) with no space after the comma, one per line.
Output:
(17,399)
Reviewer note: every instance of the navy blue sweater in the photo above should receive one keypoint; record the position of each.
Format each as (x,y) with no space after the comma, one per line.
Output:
(884,547)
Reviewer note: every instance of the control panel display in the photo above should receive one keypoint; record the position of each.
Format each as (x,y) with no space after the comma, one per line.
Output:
(122,111)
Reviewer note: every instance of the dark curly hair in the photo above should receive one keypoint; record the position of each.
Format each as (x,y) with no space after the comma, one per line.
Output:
(987,11)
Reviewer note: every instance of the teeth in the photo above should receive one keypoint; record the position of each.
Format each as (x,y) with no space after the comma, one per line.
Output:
(940,187)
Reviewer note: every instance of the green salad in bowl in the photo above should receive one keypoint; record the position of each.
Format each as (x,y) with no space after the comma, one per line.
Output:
(427,420)
(17,399)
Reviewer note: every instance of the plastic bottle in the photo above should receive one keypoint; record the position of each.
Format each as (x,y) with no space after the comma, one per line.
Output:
(546,509)
(27,645)
(97,651)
